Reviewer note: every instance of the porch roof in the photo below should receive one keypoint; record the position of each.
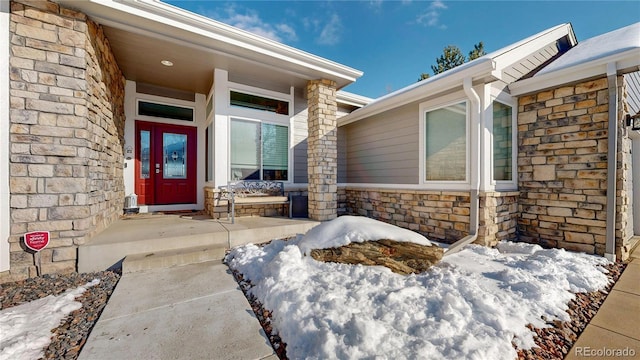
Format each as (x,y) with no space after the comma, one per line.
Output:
(142,33)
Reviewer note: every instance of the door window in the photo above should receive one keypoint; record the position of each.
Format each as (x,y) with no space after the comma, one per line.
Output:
(174,148)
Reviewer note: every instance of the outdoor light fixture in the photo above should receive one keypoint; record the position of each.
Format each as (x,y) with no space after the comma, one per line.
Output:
(166,63)
(634,121)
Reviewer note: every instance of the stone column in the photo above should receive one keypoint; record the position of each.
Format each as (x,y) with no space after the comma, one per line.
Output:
(322,150)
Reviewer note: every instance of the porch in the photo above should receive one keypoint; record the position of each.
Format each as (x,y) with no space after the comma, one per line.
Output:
(157,240)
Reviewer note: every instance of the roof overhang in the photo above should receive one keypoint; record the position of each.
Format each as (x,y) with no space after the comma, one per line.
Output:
(482,70)
(143,32)
(347,98)
(625,62)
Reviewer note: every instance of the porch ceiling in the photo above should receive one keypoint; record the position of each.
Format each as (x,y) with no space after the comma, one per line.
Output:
(139,59)
(144,32)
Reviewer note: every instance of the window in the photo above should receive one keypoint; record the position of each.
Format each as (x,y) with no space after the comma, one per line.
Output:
(502,142)
(446,143)
(259,151)
(165,111)
(259,103)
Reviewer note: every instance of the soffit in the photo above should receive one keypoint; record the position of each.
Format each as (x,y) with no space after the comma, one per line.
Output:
(144,32)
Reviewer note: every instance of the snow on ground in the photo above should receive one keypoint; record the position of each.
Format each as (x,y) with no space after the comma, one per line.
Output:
(347,229)
(26,328)
(472,305)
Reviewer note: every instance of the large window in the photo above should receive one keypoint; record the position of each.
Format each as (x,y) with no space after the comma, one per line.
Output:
(502,142)
(446,143)
(259,151)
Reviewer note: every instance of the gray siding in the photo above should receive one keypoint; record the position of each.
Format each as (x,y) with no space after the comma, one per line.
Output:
(384,149)
(342,155)
(633,91)
(300,133)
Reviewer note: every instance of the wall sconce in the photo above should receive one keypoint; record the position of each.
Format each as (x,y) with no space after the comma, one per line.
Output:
(633,121)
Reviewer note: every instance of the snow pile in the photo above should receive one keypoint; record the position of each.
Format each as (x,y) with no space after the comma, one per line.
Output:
(347,229)
(26,329)
(471,305)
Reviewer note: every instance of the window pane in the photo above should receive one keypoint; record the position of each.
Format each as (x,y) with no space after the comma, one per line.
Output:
(174,148)
(502,142)
(446,143)
(165,111)
(259,103)
(145,153)
(245,150)
(275,152)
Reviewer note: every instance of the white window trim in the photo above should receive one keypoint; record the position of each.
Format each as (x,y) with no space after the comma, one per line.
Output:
(289,147)
(443,185)
(505,185)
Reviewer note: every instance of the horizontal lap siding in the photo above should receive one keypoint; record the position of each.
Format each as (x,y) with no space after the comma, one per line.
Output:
(300,133)
(384,149)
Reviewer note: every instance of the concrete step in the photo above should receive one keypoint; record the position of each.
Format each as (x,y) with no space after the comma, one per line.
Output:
(145,235)
(171,258)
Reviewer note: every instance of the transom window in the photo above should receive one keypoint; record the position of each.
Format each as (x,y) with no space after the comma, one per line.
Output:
(165,111)
(502,142)
(259,151)
(446,143)
(259,103)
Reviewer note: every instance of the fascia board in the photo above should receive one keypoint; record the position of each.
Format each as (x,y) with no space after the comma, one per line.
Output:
(625,62)
(347,98)
(202,27)
(430,87)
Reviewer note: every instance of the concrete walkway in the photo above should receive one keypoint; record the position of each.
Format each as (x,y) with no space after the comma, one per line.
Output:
(186,312)
(616,325)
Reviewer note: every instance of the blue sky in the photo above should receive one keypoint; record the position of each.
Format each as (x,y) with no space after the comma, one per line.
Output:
(393,42)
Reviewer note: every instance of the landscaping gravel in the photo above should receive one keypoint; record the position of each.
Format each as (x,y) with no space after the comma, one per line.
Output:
(70,336)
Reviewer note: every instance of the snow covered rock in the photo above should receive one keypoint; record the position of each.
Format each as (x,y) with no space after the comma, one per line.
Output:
(401,257)
(361,240)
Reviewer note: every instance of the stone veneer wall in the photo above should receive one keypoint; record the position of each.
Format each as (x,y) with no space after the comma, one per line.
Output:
(66,133)
(322,150)
(438,215)
(562,162)
(218,209)
(498,217)
(624,186)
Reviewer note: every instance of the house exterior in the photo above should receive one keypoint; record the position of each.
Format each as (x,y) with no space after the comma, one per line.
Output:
(109,98)
(535,147)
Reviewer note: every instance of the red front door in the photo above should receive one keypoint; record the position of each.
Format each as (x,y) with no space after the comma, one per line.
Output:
(165,164)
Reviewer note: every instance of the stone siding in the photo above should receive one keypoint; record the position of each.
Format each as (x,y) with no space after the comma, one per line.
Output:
(562,163)
(438,215)
(498,217)
(218,209)
(322,150)
(66,134)
(624,186)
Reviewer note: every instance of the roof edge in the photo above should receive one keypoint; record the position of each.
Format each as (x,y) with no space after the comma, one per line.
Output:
(627,61)
(440,83)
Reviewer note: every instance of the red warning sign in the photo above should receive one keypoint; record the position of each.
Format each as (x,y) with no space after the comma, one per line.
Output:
(36,240)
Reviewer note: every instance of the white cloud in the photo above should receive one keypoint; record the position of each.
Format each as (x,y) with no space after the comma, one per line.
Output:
(331,32)
(249,20)
(432,16)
